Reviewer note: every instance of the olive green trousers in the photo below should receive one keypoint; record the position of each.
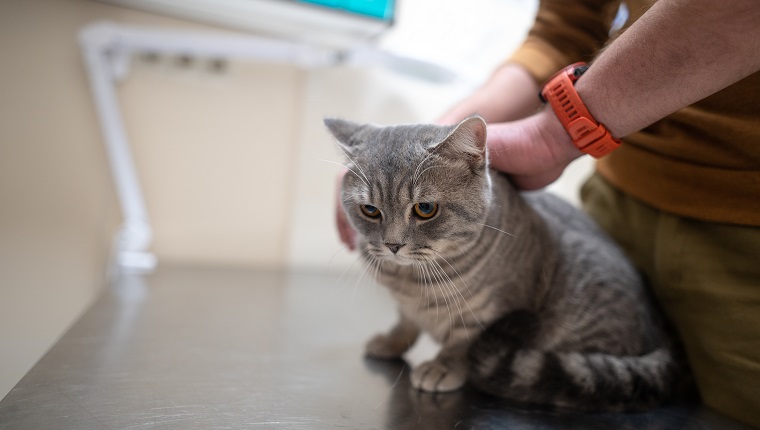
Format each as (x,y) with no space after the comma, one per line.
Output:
(706,278)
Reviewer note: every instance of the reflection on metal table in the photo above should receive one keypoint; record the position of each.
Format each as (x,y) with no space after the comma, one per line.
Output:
(196,348)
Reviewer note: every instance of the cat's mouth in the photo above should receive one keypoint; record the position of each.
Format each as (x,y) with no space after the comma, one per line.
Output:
(398,258)
(404,255)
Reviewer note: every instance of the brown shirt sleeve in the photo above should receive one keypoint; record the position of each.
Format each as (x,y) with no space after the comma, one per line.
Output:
(565,32)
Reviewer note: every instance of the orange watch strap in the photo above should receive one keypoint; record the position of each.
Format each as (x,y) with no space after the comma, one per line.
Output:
(587,134)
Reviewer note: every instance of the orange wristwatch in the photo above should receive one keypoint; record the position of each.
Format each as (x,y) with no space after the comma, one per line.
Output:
(588,135)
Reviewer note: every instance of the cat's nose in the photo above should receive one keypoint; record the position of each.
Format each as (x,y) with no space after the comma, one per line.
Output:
(394,247)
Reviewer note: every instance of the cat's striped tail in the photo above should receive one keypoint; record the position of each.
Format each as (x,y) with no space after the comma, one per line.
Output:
(505,365)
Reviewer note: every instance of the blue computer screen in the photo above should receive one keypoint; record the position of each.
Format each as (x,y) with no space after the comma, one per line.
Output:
(379,9)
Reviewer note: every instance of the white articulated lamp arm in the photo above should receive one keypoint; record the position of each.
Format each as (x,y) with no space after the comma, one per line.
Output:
(105,61)
(107,48)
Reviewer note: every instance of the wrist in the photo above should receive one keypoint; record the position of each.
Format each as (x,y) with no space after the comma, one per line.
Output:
(563,149)
(599,105)
(587,134)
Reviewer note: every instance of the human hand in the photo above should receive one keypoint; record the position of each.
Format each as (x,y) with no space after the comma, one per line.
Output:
(345,231)
(533,151)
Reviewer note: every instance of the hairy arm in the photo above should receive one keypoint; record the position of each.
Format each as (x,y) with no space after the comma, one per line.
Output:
(677,53)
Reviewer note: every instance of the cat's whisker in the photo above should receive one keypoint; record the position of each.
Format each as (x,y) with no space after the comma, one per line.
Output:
(419,166)
(352,160)
(431,167)
(423,282)
(342,279)
(332,257)
(469,291)
(441,286)
(432,290)
(430,293)
(378,268)
(417,274)
(362,276)
(358,278)
(372,266)
(498,229)
(461,313)
(497,152)
(366,181)
(451,287)
(353,197)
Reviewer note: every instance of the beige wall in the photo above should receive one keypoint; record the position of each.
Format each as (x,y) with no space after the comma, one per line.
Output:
(213,154)
(56,207)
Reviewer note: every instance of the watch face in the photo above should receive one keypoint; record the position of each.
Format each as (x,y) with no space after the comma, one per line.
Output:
(575,71)
(579,70)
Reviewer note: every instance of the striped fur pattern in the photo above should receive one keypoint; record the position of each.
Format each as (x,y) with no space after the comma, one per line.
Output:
(528,299)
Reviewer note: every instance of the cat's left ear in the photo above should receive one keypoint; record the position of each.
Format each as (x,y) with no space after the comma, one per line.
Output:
(344,131)
(466,142)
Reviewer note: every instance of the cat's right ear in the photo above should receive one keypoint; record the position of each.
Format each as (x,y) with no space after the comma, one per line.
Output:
(466,142)
(344,131)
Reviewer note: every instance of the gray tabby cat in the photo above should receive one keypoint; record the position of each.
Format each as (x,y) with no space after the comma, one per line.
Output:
(529,300)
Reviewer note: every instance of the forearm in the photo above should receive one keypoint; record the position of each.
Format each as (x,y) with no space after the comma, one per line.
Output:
(509,94)
(677,53)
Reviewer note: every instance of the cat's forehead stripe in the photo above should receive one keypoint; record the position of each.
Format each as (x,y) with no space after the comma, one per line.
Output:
(380,190)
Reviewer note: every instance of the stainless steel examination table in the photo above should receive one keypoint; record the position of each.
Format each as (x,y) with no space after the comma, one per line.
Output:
(194,348)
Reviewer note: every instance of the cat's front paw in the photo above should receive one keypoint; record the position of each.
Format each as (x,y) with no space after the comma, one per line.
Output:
(386,347)
(437,377)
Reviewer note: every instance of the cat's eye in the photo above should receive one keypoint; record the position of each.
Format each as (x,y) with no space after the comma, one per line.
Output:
(370,211)
(426,210)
